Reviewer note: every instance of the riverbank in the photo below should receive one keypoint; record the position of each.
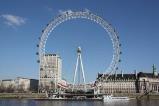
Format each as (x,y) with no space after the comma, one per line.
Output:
(22,95)
(43,96)
(139,96)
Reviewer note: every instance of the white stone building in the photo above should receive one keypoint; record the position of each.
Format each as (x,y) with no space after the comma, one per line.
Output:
(119,83)
(50,73)
(148,82)
(128,83)
(7,82)
(26,84)
(20,84)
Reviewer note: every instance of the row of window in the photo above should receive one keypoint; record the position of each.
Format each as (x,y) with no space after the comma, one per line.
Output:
(118,91)
(129,85)
(121,80)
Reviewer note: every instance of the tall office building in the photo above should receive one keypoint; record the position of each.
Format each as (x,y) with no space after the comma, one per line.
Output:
(50,73)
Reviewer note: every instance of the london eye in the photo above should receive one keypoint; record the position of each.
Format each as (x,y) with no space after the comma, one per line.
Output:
(86,14)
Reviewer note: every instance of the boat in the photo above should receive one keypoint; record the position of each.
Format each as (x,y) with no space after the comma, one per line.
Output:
(107,98)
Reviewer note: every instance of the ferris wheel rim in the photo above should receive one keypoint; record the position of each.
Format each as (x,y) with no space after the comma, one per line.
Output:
(69,15)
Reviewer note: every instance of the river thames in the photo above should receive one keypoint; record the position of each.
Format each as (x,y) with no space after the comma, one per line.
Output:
(25,102)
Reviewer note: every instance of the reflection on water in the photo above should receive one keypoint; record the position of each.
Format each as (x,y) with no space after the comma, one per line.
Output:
(117,103)
(69,103)
(25,102)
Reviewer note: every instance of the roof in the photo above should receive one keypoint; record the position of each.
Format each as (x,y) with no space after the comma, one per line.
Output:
(7,80)
(127,76)
(118,76)
(50,54)
(21,78)
(149,75)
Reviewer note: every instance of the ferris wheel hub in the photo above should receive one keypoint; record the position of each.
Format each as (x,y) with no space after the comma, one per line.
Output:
(79,50)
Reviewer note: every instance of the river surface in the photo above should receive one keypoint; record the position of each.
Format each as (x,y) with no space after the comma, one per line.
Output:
(25,102)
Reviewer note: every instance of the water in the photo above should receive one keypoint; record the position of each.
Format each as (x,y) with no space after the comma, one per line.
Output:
(25,102)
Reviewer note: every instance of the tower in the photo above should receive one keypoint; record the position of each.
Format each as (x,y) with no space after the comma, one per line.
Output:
(50,75)
(122,73)
(154,70)
(79,62)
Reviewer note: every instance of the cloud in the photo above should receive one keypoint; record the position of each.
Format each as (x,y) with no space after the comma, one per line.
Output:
(49,8)
(13,20)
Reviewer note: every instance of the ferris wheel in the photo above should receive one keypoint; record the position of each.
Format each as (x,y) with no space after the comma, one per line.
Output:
(86,14)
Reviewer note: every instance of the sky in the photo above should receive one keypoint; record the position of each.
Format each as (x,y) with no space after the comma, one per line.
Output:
(21,23)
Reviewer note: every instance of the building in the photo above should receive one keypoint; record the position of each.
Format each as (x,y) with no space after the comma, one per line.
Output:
(7,86)
(7,83)
(50,72)
(148,82)
(118,83)
(25,84)
(128,83)
(19,85)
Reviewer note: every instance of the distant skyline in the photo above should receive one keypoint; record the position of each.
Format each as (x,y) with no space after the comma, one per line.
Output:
(21,23)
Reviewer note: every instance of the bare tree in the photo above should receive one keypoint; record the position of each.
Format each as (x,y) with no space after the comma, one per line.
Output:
(10,88)
(21,88)
(2,88)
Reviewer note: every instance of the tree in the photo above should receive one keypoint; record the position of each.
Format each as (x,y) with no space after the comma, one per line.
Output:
(10,88)
(2,88)
(21,87)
